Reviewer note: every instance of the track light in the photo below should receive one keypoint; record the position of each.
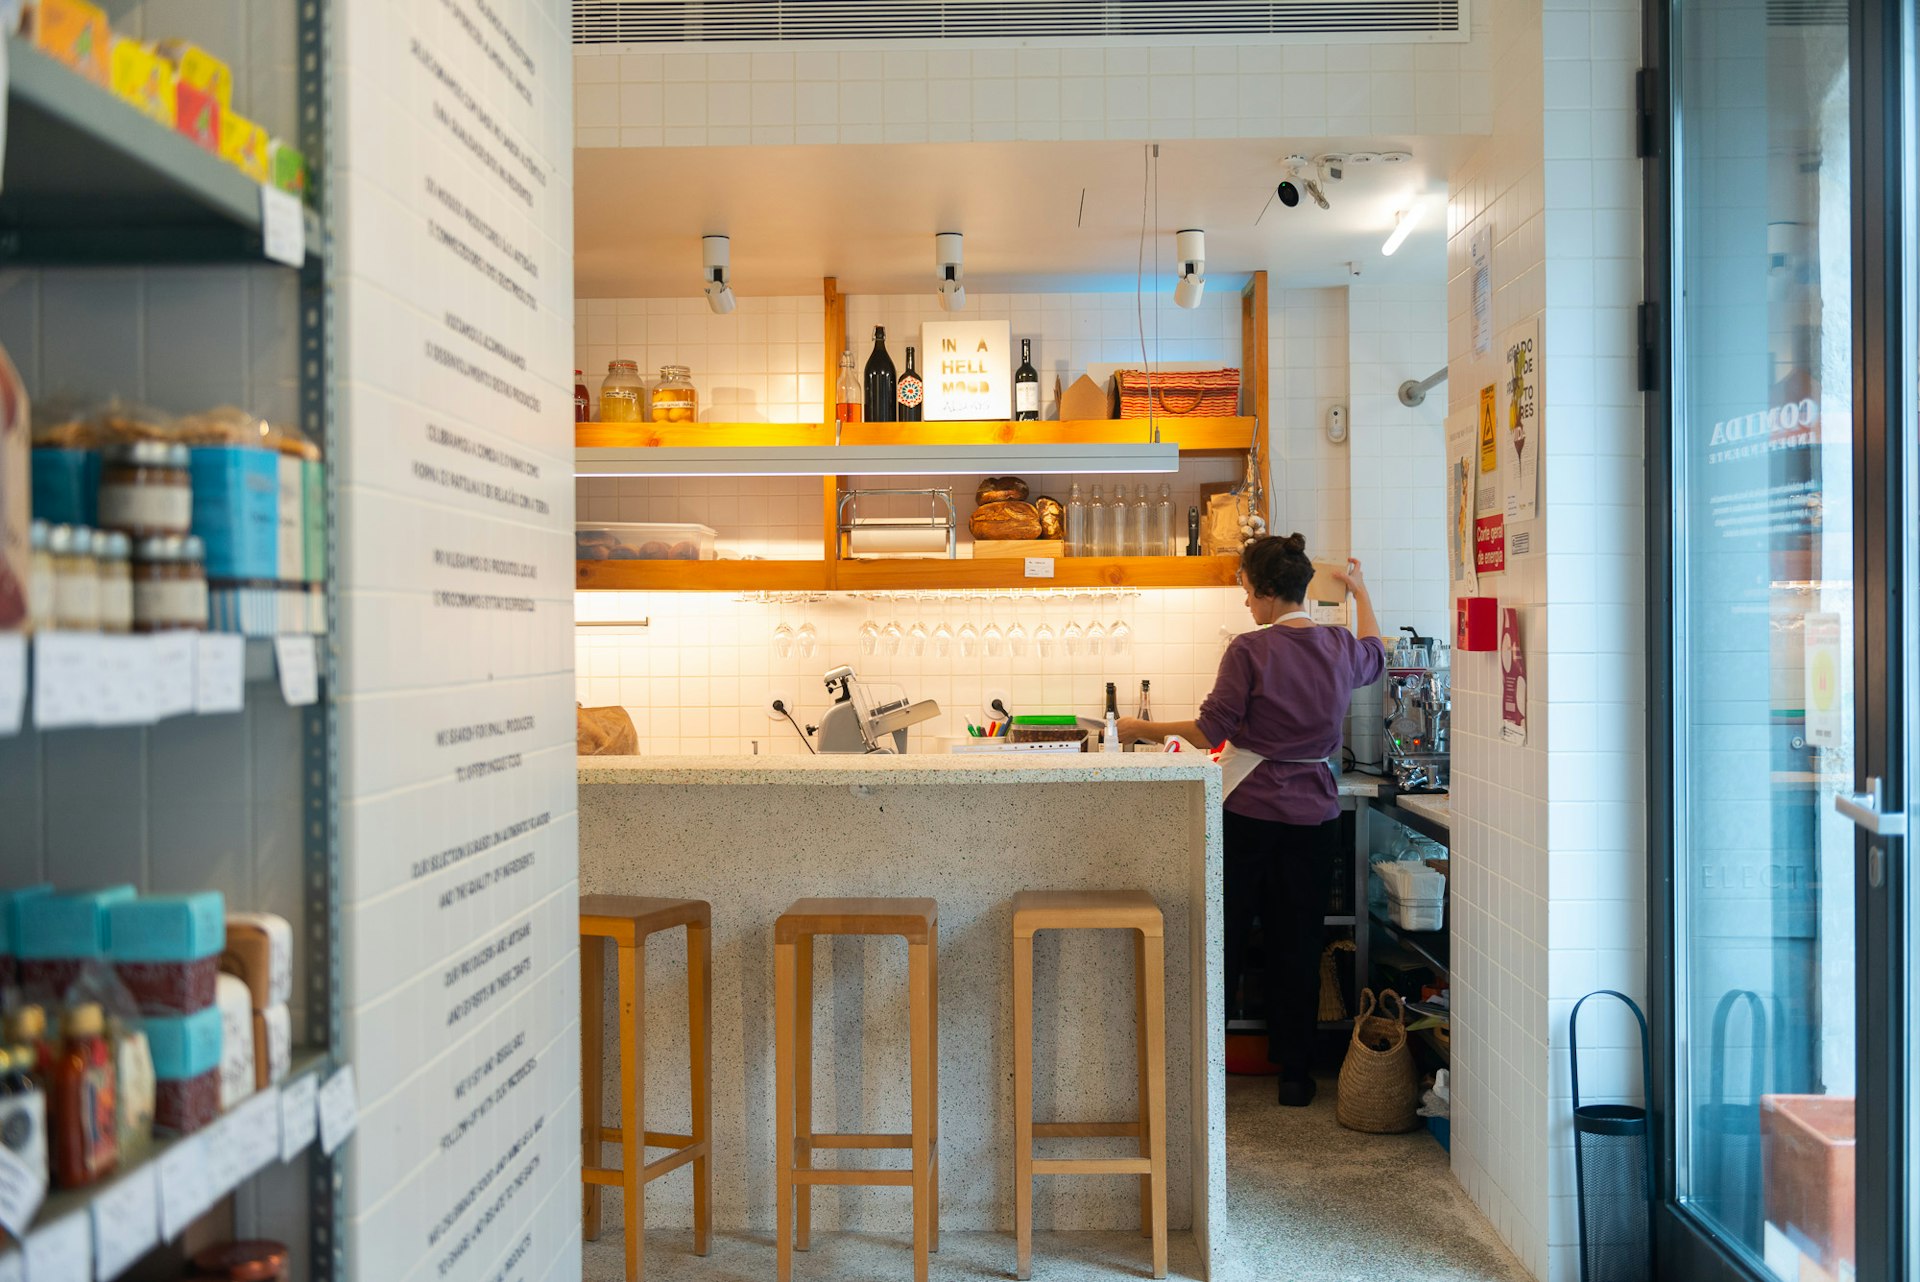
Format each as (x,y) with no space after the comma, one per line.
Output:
(717,279)
(947,253)
(1190,250)
(1409,219)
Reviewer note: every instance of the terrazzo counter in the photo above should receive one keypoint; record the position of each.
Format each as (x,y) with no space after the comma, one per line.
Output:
(753,834)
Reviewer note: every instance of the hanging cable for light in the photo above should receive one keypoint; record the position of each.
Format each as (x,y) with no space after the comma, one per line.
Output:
(1409,218)
(717,280)
(1190,252)
(948,250)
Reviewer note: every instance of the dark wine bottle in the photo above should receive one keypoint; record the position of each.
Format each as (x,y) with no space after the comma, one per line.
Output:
(911,394)
(1026,384)
(1113,705)
(880,406)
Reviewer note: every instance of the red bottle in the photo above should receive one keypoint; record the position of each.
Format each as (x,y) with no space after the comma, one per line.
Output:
(582,407)
(81,1101)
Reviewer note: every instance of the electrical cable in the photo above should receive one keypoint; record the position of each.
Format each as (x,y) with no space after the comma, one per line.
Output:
(1140,280)
(780,706)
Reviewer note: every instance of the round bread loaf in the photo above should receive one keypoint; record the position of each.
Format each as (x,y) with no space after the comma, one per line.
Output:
(1009,519)
(1052,517)
(1000,489)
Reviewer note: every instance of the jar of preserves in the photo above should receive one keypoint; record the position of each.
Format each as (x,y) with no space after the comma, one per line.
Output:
(41,576)
(674,398)
(620,393)
(582,405)
(76,579)
(113,553)
(169,584)
(145,488)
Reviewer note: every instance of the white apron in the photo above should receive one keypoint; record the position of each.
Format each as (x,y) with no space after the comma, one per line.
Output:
(1237,763)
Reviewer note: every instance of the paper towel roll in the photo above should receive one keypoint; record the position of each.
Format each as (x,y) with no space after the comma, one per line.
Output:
(871,540)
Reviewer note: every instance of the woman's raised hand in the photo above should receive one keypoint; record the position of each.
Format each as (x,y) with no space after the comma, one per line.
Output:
(1353,578)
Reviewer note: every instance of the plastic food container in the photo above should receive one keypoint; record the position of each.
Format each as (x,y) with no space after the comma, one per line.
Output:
(166,949)
(57,935)
(642,541)
(1049,729)
(1416,895)
(186,1070)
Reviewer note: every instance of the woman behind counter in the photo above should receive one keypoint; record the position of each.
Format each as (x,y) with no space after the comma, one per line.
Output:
(1280,704)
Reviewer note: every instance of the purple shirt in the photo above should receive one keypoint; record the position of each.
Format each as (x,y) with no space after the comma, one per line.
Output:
(1282,693)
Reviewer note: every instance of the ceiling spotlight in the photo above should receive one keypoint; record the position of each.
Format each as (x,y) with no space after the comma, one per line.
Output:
(717,280)
(1190,250)
(947,249)
(1409,219)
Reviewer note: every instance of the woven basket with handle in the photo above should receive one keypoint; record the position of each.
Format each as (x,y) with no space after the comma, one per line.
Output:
(1204,393)
(1379,1091)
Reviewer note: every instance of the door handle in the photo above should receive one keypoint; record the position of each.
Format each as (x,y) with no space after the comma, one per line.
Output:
(1868,810)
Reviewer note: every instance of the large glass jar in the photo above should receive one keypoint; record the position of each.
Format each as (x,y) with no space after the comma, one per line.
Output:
(621,393)
(169,584)
(674,398)
(145,489)
(76,579)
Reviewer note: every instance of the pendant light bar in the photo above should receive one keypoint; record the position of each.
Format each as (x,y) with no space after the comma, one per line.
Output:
(876,460)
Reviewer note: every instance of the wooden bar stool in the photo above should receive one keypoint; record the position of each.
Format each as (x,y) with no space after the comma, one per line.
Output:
(916,921)
(628,920)
(1094,910)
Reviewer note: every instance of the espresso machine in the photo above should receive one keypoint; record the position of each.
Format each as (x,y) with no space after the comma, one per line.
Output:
(1418,708)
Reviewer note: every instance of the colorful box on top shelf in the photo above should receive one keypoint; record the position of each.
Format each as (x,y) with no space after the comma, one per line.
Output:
(244,145)
(199,70)
(12,903)
(166,949)
(143,78)
(74,33)
(236,510)
(186,1068)
(287,167)
(197,115)
(60,934)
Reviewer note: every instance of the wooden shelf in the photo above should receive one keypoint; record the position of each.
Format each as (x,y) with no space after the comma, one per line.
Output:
(1190,435)
(902,576)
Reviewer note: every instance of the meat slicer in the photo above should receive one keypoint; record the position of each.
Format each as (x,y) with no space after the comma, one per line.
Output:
(858,722)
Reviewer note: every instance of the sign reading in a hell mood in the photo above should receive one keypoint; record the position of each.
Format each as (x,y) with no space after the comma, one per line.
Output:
(1490,544)
(1513,679)
(968,369)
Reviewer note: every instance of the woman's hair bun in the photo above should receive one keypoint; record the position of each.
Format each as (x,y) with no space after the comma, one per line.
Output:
(1277,567)
(1295,543)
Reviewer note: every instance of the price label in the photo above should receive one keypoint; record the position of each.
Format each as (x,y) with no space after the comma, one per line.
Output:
(1039,567)
(61,1251)
(172,657)
(249,1137)
(299,1120)
(188,1185)
(299,663)
(123,681)
(283,227)
(65,679)
(22,1190)
(339,1110)
(220,673)
(126,1223)
(13,682)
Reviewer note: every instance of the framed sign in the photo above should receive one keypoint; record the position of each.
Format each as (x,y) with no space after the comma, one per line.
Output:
(968,369)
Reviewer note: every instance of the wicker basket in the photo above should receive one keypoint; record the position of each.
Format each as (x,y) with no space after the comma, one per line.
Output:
(1379,1092)
(1333,1001)
(1206,393)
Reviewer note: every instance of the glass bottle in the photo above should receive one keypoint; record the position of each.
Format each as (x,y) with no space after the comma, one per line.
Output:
(116,581)
(880,392)
(620,393)
(76,584)
(674,398)
(1163,524)
(1076,522)
(582,404)
(1026,385)
(1097,525)
(1146,701)
(23,1109)
(84,1144)
(909,393)
(846,391)
(1140,524)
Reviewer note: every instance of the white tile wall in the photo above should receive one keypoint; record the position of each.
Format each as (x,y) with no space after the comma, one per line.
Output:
(647,96)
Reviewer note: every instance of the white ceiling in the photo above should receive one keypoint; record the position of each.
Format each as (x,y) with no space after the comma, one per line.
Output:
(1038,216)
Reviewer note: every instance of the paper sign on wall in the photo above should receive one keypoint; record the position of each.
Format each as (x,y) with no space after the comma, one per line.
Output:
(968,369)
(1489,431)
(1513,679)
(1521,438)
(1480,252)
(1490,544)
(1826,678)
(1460,509)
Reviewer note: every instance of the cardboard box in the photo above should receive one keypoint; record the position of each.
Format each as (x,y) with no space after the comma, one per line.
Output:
(236,510)
(1807,1156)
(244,145)
(199,70)
(286,167)
(16,492)
(197,115)
(75,33)
(1085,399)
(144,79)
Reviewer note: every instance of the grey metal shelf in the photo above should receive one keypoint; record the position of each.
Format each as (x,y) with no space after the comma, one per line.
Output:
(89,179)
(1422,824)
(1430,946)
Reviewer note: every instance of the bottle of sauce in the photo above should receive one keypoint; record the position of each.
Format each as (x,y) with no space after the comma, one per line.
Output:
(582,403)
(848,399)
(23,1108)
(84,1141)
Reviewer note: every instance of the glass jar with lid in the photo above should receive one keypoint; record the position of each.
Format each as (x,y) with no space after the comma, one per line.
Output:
(76,579)
(145,488)
(169,584)
(621,393)
(674,397)
(41,576)
(113,552)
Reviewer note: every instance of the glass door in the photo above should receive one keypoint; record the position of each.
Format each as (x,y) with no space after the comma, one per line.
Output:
(1777,940)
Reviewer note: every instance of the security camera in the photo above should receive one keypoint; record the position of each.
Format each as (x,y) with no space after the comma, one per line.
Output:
(1190,250)
(717,281)
(947,253)
(1288,193)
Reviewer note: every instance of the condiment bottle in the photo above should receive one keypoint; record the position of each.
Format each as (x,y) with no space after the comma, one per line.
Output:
(848,399)
(76,579)
(582,404)
(146,488)
(27,1026)
(41,576)
(84,1141)
(169,584)
(620,393)
(23,1108)
(114,551)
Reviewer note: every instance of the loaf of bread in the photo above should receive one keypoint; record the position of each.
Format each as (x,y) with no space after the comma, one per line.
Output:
(1009,519)
(1052,517)
(1000,489)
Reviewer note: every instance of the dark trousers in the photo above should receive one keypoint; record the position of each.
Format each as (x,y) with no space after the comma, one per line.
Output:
(1281,874)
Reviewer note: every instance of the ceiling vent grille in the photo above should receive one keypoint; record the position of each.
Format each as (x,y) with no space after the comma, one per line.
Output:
(743,21)
(1806,13)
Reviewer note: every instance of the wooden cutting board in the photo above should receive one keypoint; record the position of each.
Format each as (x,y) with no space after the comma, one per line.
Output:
(1014,549)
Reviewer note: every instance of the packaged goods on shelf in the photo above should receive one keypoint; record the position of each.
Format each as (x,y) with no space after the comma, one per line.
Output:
(166,949)
(186,1069)
(74,33)
(245,145)
(143,78)
(272,1045)
(642,541)
(16,512)
(199,70)
(236,1040)
(286,167)
(259,950)
(62,933)
(12,903)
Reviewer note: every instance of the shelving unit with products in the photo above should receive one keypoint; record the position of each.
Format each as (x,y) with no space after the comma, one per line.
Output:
(186,793)
(1219,438)
(1420,949)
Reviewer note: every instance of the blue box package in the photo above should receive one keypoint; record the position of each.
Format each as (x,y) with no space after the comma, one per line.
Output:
(236,510)
(184,1046)
(67,926)
(66,486)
